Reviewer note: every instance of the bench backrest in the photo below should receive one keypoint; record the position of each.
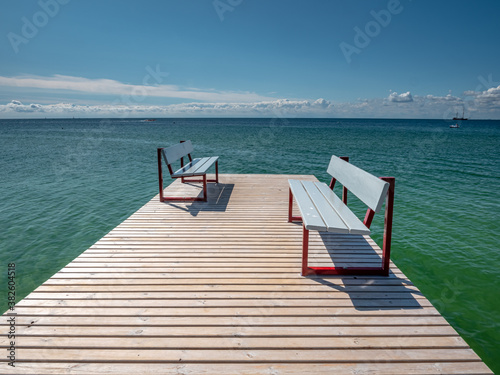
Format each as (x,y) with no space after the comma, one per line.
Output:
(368,188)
(175,152)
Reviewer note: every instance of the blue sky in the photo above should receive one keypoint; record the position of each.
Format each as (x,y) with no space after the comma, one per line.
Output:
(249,58)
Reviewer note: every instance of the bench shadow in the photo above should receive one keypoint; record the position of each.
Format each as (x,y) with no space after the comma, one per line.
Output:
(375,293)
(347,250)
(218,196)
(367,293)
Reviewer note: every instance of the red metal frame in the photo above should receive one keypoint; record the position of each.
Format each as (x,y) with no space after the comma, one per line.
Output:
(368,218)
(386,247)
(305,250)
(389,214)
(184,180)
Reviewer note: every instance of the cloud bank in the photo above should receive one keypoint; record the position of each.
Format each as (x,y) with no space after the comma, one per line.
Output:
(488,99)
(112,87)
(280,107)
(132,101)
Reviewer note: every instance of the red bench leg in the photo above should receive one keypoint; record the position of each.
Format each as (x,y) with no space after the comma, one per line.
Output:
(389,212)
(217,172)
(305,250)
(205,187)
(160,174)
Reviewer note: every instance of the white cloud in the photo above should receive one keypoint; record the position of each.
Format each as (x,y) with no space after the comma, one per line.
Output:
(280,107)
(137,92)
(476,104)
(489,99)
(400,98)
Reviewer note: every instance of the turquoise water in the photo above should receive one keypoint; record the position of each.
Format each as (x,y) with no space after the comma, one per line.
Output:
(66,183)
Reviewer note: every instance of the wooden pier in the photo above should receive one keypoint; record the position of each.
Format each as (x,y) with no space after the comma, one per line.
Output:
(215,288)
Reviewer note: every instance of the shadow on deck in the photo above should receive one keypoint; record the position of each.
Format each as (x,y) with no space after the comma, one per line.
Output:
(218,198)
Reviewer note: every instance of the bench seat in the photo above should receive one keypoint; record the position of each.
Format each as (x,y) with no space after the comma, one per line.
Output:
(197,167)
(194,168)
(323,211)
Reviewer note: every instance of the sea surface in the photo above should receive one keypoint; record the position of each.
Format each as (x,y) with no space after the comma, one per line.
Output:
(65,183)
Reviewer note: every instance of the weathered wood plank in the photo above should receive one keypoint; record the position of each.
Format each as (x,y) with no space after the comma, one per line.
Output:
(203,311)
(334,283)
(224,295)
(260,320)
(247,355)
(371,367)
(116,288)
(431,331)
(262,302)
(254,343)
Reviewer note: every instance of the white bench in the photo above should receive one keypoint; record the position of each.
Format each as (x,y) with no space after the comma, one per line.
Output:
(322,210)
(195,168)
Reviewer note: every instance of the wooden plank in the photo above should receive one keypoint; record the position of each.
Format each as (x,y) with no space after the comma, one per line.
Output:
(221,295)
(368,188)
(334,283)
(405,322)
(210,264)
(176,276)
(215,287)
(251,343)
(204,257)
(179,269)
(237,331)
(431,331)
(203,311)
(244,356)
(386,303)
(346,368)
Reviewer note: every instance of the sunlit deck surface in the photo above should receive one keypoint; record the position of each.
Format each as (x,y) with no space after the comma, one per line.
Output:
(215,288)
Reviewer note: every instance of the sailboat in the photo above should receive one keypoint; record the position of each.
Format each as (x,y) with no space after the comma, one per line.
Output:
(460,118)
